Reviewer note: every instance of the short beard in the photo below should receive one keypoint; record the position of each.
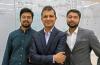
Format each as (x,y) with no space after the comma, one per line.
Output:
(75,26)
(26,26)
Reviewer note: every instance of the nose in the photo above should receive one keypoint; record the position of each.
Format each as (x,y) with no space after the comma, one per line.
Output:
(48,18)
(26,18)
(72,18)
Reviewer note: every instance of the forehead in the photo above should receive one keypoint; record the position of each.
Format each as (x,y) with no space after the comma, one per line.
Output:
(73,14)
(26,14)
(48,12)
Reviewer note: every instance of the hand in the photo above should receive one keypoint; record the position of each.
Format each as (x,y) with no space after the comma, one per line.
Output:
(29,60)
(59,57)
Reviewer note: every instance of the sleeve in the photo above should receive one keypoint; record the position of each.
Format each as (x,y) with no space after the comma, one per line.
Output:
(36,58)
(61,44)
(63,47)
(7,53)
(95,45)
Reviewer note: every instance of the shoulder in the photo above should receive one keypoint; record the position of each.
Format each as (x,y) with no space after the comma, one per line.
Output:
(33,31)
(15,32)
(60,33)
(86,30)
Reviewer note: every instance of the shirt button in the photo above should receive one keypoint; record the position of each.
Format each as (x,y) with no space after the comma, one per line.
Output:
(22,48)
(21,55)
(23,41)
(20,63)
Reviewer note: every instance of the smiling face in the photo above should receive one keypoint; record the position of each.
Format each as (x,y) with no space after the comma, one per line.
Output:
(73,20)
(26,19)
(48,18)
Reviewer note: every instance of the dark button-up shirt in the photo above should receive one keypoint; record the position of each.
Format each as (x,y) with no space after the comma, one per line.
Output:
(17,47)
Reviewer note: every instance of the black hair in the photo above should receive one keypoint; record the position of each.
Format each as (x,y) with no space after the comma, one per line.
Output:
(48,8)
(23,10)
(75,11)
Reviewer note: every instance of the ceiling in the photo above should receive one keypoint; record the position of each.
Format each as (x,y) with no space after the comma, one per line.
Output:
(95,0)
(9,5)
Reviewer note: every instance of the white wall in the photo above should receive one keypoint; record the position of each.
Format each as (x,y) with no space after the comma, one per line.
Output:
(7,23)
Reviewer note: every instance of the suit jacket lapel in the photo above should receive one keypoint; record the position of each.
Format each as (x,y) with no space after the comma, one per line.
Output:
(77,38)
(43,41)
(51,39)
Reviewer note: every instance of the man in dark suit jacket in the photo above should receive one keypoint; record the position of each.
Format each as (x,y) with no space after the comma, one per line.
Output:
(80,41)
(49,45)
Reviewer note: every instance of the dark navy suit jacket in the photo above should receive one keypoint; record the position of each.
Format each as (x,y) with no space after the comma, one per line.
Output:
(42,54)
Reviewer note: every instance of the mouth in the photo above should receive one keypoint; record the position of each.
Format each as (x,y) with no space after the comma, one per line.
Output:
(48,22)
(71,24)
(26,21)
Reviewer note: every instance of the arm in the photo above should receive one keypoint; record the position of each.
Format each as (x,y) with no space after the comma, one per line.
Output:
(95,45)
(63,47)
(36,58)
(7,53)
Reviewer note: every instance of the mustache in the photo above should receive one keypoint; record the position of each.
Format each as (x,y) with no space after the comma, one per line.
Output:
(74,26)
(26,21)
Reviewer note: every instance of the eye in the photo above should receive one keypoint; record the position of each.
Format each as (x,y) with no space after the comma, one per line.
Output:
(75,17)
(51,16)
(45,16)
(69,16)
(23,17)
(29,17)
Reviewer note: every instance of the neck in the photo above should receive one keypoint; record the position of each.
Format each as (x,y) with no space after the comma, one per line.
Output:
(24,29)
(47,29)
(71,30)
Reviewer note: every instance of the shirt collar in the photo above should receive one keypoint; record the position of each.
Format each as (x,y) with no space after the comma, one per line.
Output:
(26,30)
(49,31)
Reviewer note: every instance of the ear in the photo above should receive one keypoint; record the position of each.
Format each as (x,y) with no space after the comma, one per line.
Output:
(41,17)
(56,17)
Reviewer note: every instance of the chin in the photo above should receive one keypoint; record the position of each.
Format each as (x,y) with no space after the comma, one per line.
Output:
(26,26)
(48,26)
